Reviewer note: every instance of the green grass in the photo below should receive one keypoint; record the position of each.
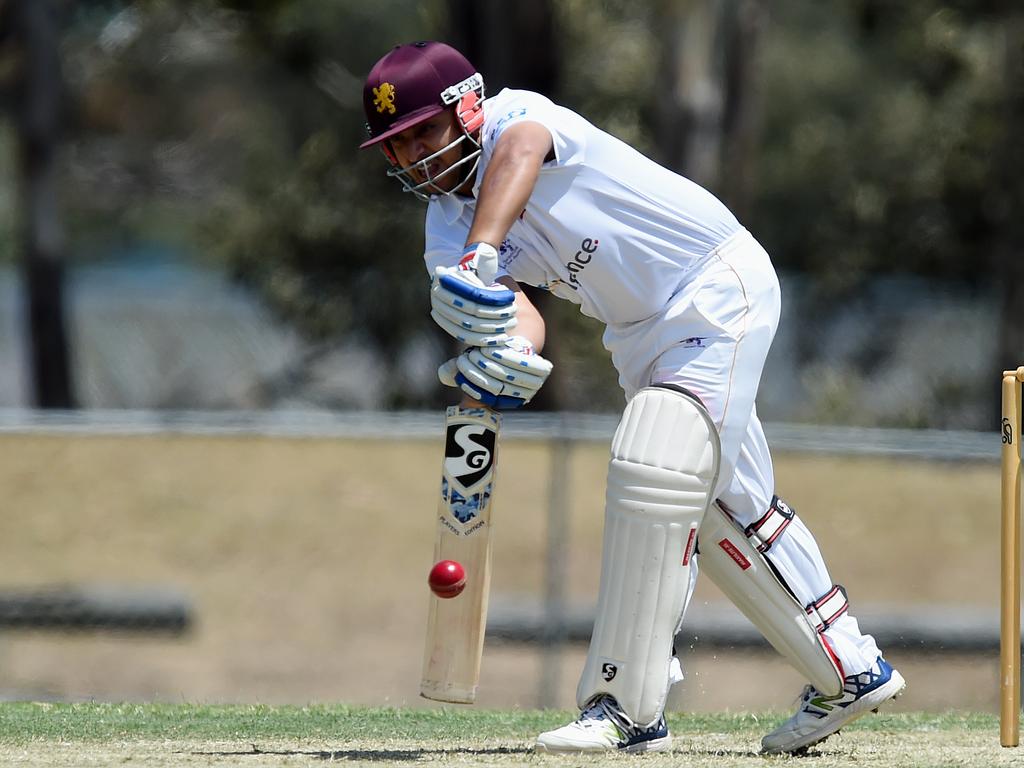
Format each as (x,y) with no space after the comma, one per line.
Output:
(23,722)
(34,735)
(26,722)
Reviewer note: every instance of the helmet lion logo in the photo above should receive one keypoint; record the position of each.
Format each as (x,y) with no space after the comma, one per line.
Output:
(385,98)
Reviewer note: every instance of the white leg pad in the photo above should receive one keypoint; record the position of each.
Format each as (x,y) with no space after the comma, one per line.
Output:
(733,560)
(663,469)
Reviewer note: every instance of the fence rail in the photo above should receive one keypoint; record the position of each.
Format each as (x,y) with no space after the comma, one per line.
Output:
(94,608)
(937,629)
(936,445)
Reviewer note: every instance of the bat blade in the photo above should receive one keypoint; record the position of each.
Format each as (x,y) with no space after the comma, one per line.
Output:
(455,626)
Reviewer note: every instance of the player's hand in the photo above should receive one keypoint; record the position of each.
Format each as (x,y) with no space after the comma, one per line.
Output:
(476,312)
(507,376)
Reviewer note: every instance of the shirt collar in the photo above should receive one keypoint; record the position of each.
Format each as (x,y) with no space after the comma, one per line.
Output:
(453,206)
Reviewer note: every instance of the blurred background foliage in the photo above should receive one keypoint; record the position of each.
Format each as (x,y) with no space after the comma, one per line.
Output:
(855,138)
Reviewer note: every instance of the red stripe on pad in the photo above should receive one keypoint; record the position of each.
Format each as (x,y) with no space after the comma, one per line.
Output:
(737,556)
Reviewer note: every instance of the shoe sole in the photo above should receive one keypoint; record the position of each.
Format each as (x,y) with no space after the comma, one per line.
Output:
(891,690)
(653,745)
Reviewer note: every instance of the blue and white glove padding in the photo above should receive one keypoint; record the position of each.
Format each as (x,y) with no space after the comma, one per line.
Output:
(475,312)
(507,376)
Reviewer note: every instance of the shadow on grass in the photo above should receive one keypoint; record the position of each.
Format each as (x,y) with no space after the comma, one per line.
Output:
(414,754)
(738,753)
(734,753)
(371,755)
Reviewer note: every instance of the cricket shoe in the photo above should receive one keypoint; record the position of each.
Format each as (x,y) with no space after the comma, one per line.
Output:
(603,727)
(819,716)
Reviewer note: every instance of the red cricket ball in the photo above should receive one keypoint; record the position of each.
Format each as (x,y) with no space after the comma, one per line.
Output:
(447,579)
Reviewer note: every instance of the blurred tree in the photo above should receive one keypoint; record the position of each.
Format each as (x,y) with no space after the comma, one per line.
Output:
(705,111)
(231,129)
(1008,173)
(856,138)
(890,147)
(489,35)
(34,91)
(741,118)
(689,103)
(315,224)
(878,136)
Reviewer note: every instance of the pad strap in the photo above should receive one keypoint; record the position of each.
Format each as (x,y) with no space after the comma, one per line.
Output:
(763,532)
(824,611)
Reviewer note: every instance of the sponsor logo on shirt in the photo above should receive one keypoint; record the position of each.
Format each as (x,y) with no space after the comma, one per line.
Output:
(509,116)
(507,253)
(579,261)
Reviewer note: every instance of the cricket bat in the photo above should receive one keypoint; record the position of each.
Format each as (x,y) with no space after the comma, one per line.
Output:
(455,626)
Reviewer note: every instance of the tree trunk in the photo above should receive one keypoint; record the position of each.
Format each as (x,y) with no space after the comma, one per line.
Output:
(688,107)
(741,120)
(514,45)
(1010,245)
(707,115)
(38,112)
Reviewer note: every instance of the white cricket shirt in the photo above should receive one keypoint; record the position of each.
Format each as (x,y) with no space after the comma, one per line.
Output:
(606,227)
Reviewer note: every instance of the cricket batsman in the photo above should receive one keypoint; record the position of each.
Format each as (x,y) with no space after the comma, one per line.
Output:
(521,190)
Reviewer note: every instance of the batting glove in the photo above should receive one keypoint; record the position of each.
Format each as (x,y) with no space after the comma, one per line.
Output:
(475,312)
(501,377)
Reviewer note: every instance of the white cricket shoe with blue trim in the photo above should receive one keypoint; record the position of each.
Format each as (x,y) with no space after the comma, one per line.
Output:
(603,727)
(819,716)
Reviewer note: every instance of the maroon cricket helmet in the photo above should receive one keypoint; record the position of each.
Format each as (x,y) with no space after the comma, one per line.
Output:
(412,83)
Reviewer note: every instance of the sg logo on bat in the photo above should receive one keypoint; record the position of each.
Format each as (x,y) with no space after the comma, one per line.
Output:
(468,454)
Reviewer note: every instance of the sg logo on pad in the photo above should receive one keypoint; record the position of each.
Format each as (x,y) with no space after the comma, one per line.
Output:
(608,671)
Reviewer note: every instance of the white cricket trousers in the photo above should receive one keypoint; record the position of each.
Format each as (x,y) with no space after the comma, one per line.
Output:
(713,340)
